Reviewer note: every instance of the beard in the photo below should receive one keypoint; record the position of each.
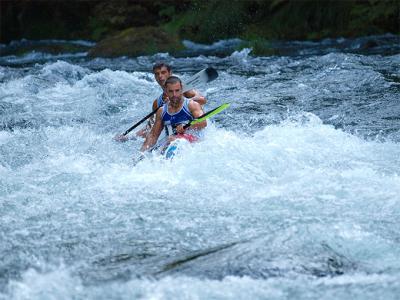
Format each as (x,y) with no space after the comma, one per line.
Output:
(175,101)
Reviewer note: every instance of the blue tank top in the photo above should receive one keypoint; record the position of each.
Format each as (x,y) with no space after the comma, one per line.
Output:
(160,100)
(180,117)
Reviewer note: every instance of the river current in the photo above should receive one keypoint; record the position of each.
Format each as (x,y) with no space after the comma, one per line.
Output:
(293,193)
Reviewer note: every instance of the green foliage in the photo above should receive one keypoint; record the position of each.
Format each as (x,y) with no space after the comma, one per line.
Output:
(167,12)
(305,19)
(98,29)
(205,21)
(144,40)
(213,20)
(373,17)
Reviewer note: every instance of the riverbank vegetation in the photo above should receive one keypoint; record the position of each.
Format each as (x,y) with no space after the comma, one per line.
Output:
(145,27)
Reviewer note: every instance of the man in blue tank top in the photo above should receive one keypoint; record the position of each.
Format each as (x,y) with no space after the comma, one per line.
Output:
(174,114)
(161,72)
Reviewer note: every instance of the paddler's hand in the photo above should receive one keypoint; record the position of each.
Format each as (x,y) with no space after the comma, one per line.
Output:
(142,132)
(180,129)
(171,138)
(165,98)
(121,138)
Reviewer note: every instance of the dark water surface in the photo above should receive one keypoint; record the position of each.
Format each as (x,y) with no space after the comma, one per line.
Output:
(293,193)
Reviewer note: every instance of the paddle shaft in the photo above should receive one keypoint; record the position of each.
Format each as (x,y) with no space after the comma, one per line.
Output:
(141,121)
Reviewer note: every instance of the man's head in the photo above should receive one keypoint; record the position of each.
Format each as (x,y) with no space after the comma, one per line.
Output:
(173,88)
(161,72)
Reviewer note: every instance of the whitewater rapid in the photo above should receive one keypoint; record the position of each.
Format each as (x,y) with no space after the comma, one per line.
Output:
(292,193)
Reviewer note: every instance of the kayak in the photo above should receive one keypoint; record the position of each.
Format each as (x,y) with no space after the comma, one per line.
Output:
(168,148)
(172,148)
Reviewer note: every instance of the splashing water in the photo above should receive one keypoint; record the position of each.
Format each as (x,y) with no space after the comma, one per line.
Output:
(292,193)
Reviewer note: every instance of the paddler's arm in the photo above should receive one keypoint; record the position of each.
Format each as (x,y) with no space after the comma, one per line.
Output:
(145,131)
(195,96)
(154,106)
(154,134)
(196,111)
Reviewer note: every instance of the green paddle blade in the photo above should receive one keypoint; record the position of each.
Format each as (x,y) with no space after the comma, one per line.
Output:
(210,114)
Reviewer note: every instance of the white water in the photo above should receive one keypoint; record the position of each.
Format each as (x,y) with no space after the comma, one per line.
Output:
(292,194)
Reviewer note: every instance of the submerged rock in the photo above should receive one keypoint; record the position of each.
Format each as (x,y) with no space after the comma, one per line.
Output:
(137,41)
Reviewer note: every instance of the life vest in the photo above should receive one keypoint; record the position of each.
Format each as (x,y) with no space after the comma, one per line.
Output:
(183,116)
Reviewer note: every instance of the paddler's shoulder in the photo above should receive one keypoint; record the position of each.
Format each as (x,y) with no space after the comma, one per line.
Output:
(193,104)
(155,104)
(190,93)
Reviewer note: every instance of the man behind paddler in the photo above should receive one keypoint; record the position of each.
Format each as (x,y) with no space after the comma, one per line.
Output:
(174,114)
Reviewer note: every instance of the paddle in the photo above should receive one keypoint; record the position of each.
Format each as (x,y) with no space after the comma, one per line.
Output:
(204,76)
(207,115)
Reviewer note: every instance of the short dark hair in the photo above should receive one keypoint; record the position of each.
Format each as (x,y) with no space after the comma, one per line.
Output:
(159,65)
(172,80)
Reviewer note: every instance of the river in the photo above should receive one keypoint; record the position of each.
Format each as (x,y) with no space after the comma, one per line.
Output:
(292,194)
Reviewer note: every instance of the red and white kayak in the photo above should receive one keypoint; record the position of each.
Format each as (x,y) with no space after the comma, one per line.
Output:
(172,147)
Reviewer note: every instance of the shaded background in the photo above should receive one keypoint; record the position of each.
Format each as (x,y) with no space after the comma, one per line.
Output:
(162,25)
